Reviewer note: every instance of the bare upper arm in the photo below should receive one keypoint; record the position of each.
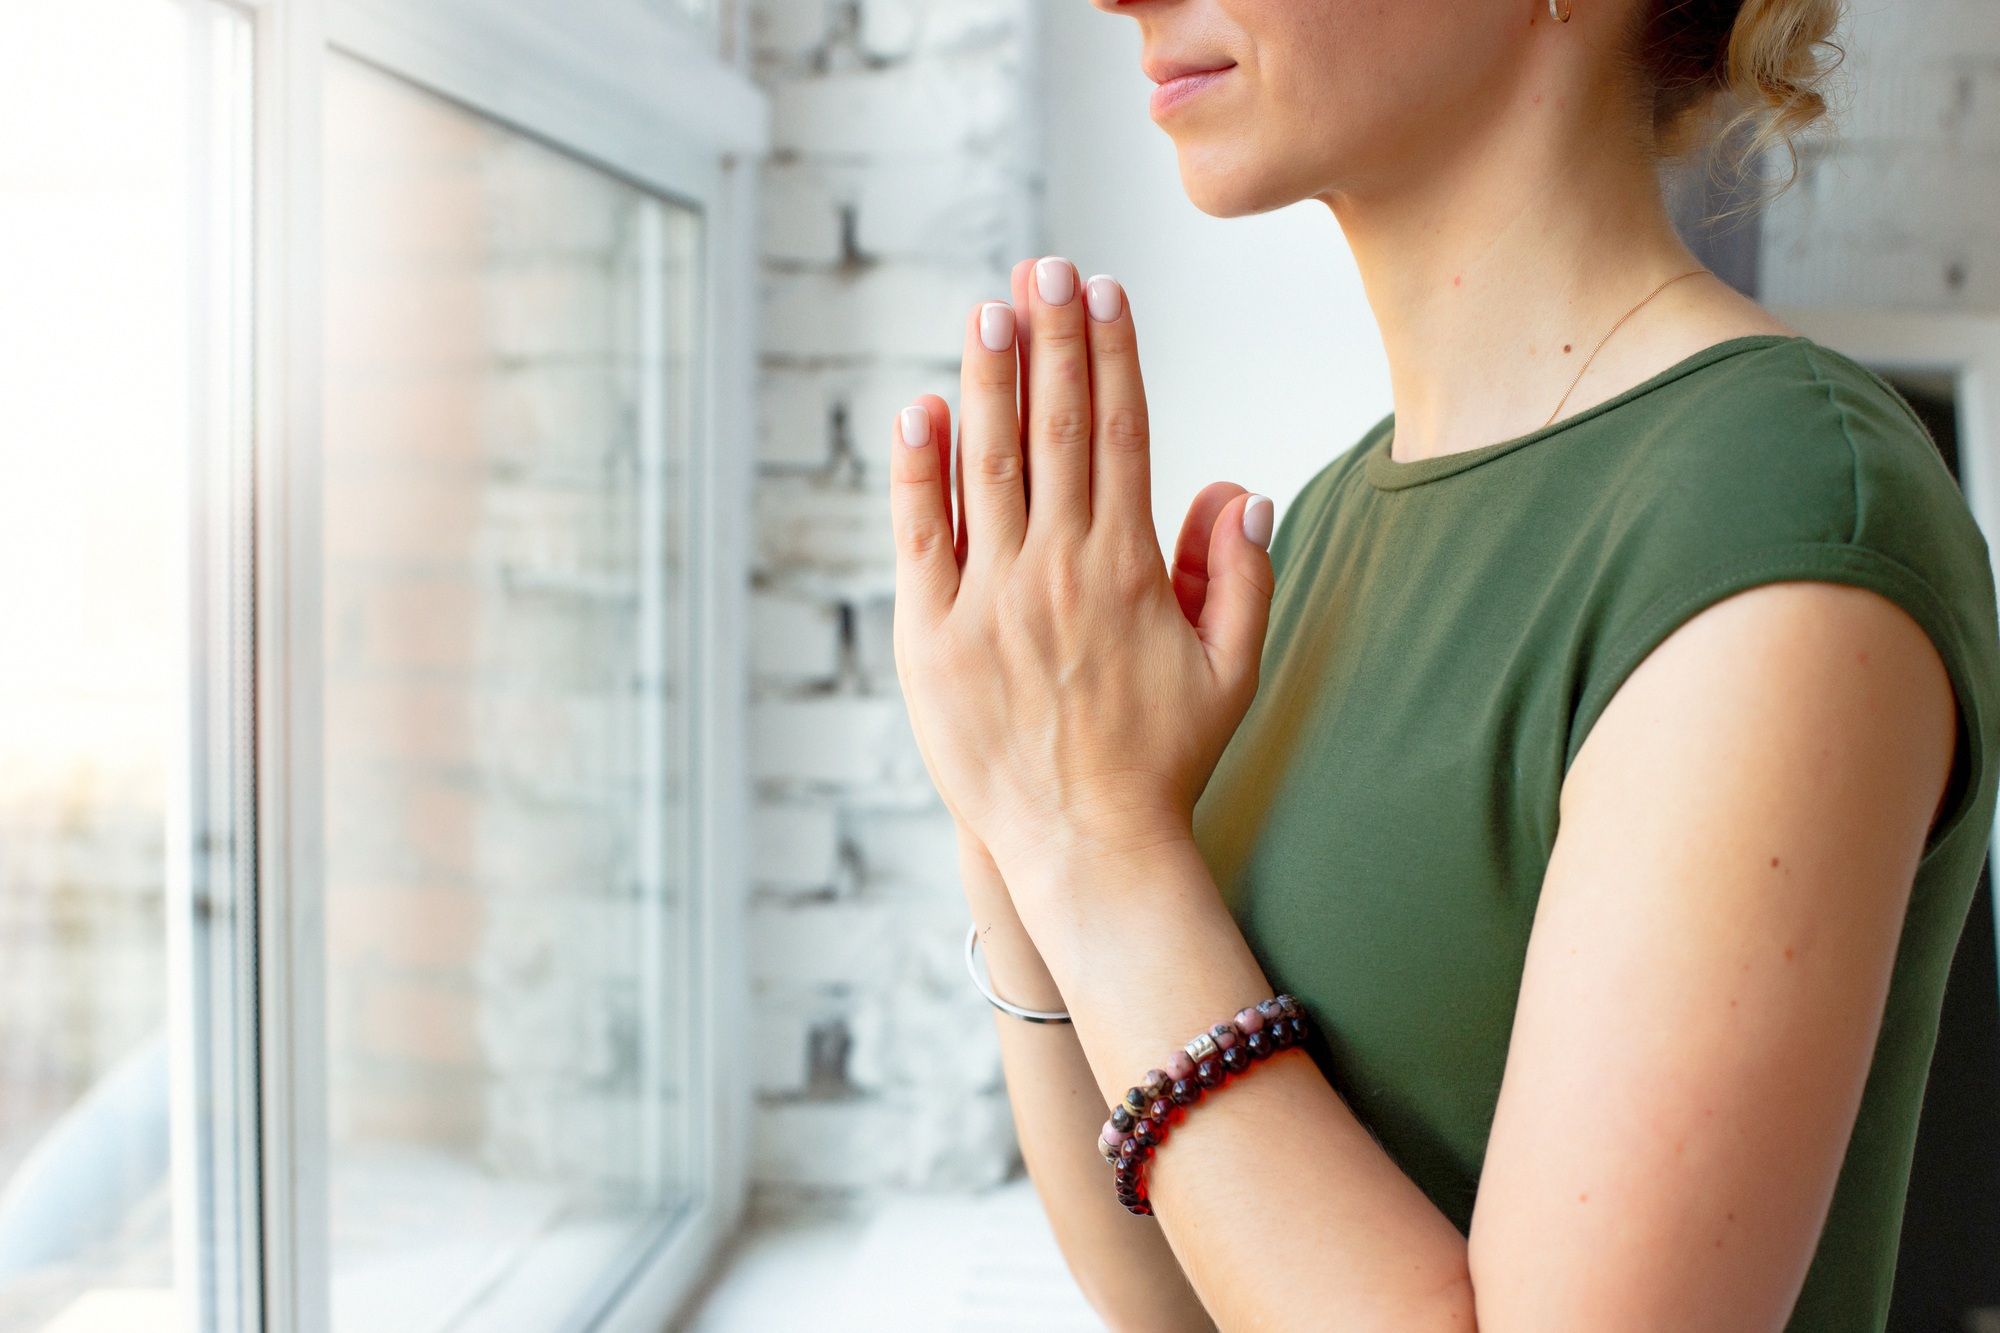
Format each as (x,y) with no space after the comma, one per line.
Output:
(1708,968)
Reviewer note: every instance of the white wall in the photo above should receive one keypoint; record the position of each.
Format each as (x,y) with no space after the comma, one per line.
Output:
(1262,361)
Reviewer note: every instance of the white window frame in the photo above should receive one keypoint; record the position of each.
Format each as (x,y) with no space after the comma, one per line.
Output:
(636,88)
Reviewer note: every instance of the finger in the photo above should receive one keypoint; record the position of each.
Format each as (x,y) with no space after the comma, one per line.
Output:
(920,511)
(1121,474)
(958,493)
(995,513)
(1238,609)
(1058,410)
(1191,550)
(1018,282)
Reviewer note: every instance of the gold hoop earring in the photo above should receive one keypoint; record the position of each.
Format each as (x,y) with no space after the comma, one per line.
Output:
(1559,10)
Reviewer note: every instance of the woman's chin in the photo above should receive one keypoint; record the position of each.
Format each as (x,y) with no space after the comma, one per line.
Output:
(1224,185)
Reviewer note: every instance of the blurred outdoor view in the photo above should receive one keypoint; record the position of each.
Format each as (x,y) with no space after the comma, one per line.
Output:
(94,420)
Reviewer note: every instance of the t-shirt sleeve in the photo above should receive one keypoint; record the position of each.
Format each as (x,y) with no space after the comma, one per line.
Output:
(1902,531)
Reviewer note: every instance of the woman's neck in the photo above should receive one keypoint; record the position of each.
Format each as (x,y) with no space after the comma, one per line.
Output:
(1496,276)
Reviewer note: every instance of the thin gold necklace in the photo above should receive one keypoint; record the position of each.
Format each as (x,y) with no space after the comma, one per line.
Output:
(1691,273)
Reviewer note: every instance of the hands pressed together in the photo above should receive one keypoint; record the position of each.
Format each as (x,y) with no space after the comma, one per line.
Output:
(1070,694)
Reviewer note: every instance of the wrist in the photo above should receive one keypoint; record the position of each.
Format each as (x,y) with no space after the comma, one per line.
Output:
(1097,912)
(1014,967)
(1099,860)
(1091,845)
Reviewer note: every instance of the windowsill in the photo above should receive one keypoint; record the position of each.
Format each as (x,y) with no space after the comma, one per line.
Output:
(423,1240)
(961,1263)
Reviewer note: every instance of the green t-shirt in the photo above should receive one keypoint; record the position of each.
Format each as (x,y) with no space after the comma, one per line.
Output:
(1445,632)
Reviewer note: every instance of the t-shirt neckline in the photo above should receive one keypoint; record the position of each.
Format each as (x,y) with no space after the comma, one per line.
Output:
(1386,474)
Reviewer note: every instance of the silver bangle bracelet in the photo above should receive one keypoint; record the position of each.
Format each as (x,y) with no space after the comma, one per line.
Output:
(986,989)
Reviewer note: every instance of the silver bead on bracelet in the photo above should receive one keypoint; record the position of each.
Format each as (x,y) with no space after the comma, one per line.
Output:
(986,989)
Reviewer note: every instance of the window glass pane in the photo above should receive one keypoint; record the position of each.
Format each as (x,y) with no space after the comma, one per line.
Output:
(507,909)
(122,206)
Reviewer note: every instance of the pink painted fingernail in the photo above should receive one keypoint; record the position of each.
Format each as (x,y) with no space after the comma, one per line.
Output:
(1106,301)
(1055,279)
(996,326)
(916,427)
(1259,516)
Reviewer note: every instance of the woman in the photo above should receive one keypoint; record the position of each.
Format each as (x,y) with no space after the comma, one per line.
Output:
(1621,759)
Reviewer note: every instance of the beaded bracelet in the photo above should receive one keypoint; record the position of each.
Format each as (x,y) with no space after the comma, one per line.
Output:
(1140,1123)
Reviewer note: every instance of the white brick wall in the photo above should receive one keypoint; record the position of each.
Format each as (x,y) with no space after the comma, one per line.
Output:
(902,186)
(1900,207)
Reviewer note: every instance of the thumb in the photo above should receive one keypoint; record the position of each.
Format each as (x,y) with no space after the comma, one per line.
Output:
(1239,589)
(1191,551)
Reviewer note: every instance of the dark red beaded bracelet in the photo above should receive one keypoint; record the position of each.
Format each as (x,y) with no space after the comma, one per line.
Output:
(1139,1124)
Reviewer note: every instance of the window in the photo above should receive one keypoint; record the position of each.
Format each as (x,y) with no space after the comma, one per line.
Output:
(508,397)
(368,779)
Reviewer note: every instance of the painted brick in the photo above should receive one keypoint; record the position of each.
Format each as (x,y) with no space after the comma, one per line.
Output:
(835,743)
(907,849)
(1919,120)
(795,847)
(801,211)
(822,945)
(891,29)
(916,207)
(810,526)
(789,29)
(794,641)
(780,1055)
(902,189)
(797,418)
(915,311)
(794,418)
(875,644)
(933,107)
(897,28)
(1963,30)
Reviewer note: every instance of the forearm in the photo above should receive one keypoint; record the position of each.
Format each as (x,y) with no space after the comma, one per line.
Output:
(1122,1262)
(1282,1209)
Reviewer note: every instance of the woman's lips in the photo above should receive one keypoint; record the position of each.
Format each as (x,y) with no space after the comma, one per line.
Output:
(1181,88)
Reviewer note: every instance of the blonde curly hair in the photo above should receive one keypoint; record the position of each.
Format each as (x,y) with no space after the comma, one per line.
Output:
(1714,65)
